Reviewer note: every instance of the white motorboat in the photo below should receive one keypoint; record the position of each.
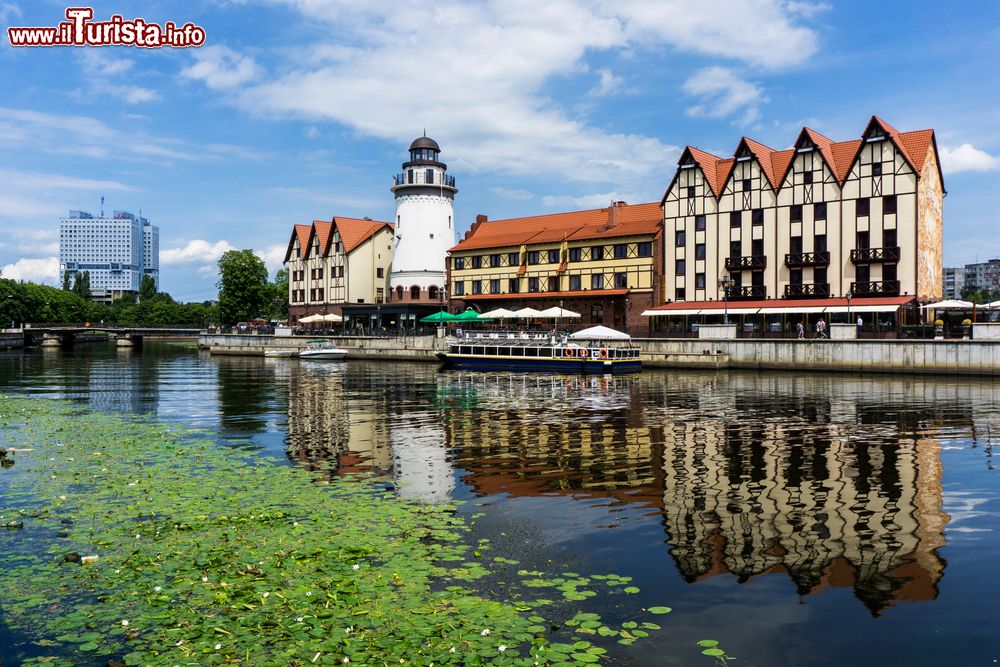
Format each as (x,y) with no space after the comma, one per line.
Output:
(280,354)
(322,350)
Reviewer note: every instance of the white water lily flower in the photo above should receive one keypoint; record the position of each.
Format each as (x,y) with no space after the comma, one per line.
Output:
(349,629)
(346,660)
(205,579)
(264,594)
(451,650)
(218,646)
(157,588)
(485,632)
(308,593)
(124,623)
(356,567)
(118,571)
(300,618)
(502,648)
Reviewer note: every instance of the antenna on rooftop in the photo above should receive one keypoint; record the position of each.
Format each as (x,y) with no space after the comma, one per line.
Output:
(102,206)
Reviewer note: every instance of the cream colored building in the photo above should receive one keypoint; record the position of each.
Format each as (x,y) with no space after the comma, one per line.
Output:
(336,264)
(821,219)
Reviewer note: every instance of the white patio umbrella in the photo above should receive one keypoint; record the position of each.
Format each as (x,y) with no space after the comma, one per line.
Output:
(309,319)
(948,304)
(498,314)
(528,313)
(556,311)
(600,333)
(332,317)
(993,305)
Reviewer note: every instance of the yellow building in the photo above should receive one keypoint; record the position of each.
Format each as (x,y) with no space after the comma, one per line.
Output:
(336,265)
(820,220)
(602,263)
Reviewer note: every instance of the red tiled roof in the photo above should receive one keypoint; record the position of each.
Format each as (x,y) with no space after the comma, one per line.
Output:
(543,295)
(784,303)
(763,154)
(354,232)
(916,144)
(323,229)
(715,169)
(302,233)
(844,153)
(781,161)
(620,220)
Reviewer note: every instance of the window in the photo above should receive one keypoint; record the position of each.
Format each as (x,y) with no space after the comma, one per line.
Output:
(876,168)
(495,260)
(863,240)
(795,276)
(409,176)
(534,257)
(477,261)
(597,252)
(574,284)
(699,281)
(819,243)
(807,177)
(459,262)
(819,275)
(795,245)
(621,250)
(477,286)
(459,288)
(645,249)
(432,292)
(532,284)
(553,257)
(889,204)
(680,267)
(746,185)
(863,274)
(863,206)
(690,191)
(621,280)
(495,286)
(735,219)
(379,272)
(757,216)
(414,292)
(757,278)
(757,247)
(679,239)
(340,271)
(514,285)
(596,313)
(796,213)
(699,223)
(575,254)
(819,211)
(379,295)
(597,281)
(735,248)
(888,272)
(888,238)
(513,258)
(699,251)
(553,285)
(679,294)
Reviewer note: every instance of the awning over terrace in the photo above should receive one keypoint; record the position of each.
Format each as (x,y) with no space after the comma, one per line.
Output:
(887,304)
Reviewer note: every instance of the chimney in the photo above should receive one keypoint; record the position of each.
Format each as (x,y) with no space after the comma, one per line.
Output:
(615,214)
(480,219)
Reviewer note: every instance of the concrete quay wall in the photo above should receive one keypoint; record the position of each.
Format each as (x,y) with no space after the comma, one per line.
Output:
(11,340)
(415,348)
(955,357)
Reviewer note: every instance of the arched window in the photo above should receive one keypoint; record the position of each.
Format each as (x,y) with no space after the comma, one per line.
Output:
(399,293)
(414,292)
(432,292)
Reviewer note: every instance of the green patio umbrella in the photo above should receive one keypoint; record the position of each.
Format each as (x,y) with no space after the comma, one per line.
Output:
(469,316)
(442,316)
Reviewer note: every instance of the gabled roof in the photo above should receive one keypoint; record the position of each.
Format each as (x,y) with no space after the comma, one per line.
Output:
(354,232)
(763,154)
(323,229)
(615,221)
(302,233)
(844,154)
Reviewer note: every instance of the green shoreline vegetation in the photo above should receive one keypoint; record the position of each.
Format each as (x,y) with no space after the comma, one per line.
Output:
(206,556)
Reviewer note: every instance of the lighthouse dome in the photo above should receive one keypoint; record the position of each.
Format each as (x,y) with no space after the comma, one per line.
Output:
(424,142)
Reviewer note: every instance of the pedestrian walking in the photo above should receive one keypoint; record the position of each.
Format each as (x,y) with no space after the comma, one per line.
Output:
(821,328)
(860,322)
(801,330)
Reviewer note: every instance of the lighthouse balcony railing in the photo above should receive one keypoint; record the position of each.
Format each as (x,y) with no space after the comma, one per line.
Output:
(420,178)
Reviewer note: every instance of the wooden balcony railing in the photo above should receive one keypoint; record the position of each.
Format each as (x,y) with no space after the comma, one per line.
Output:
(804,291)
(876,288)
(797,259)
(874,255)
(736,292)
(752,262)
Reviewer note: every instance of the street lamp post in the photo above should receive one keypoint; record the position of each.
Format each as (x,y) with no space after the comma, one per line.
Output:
(725,282)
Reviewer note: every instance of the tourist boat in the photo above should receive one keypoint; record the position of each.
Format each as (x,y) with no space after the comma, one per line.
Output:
(594,350)
(322,350)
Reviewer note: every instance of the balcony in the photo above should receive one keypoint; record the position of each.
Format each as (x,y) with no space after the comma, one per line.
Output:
(806,291)
(876,288)
(419,177)
(746,262)
(874,255)
(736,292)
(799,259)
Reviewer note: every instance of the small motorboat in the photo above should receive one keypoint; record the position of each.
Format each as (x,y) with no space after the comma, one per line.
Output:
(322,350)
(280,353)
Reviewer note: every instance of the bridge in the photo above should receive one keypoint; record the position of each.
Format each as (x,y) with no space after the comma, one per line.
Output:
(65,335)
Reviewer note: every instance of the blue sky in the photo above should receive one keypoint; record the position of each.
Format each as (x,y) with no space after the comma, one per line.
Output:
(297,110)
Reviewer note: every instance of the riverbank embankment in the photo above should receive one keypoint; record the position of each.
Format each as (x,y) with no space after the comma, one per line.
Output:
(941,357)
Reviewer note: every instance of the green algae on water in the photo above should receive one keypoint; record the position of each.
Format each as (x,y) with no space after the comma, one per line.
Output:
(190,554)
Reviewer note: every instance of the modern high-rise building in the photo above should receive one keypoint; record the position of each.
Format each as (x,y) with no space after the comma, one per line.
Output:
(983,276)
(954,282)
(116,252)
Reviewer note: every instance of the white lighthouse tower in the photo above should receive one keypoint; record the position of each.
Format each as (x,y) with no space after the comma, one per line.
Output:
(425,229)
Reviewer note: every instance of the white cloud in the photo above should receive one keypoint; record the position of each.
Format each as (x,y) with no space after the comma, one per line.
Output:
(608,84)
(8,10)
(100,67)
(967,157)
(589,201)
(516,194)
(312,132)
(722,93)
(21,180)
(41,270)
(196,251)
(273,256)
(220,67)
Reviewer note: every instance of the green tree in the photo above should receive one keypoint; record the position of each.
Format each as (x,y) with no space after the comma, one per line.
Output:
(279,295)
(81,284)
(244,292)
(66,280)
(147,288)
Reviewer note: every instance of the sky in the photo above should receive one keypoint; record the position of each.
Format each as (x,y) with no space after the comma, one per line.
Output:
(296,110)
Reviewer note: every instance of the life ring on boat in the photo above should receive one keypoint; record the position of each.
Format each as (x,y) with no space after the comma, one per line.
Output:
(568,352)
(583,353)
(604,353)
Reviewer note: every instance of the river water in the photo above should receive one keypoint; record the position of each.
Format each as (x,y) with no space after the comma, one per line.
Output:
(797,519)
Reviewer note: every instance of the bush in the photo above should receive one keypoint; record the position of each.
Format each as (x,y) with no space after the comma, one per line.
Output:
(939,323)
(967,322)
